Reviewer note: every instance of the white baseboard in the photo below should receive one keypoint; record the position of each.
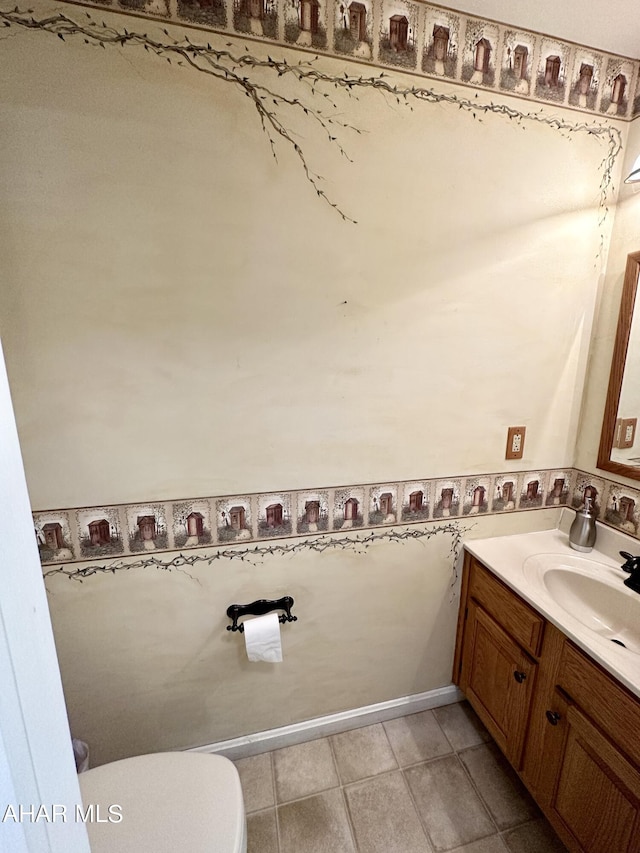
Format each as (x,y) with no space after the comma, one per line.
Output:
(242,747)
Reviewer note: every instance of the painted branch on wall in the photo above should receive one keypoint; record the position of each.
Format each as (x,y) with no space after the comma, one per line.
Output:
(258,79)
(358,543)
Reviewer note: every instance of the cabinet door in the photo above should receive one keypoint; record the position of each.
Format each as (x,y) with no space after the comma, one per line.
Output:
(498,679)
(594,791)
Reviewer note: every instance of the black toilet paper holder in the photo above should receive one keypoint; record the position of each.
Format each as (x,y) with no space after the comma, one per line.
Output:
(259,608)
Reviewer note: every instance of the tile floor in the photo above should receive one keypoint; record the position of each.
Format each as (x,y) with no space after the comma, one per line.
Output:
(428,782)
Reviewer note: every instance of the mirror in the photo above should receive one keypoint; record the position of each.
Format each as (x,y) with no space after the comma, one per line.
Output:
(619,449)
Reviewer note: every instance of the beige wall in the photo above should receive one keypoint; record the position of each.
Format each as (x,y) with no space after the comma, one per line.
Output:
(182,316)
(147,663)
(624,239)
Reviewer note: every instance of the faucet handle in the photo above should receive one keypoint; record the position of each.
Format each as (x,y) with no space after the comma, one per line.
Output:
(631,563)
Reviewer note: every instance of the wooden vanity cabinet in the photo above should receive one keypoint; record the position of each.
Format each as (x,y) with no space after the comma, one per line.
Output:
(498,679)
(497,668)
(570,730)
(593,790)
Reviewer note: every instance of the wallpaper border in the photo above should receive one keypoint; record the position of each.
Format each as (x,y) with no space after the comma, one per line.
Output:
(418,38)
(144,528)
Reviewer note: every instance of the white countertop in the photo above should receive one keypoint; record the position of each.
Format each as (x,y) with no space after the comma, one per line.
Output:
(505,556)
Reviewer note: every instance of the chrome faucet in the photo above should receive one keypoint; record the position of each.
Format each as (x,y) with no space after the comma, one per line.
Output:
(632,566)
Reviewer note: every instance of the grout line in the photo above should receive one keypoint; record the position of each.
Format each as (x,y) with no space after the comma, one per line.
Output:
(334,759)
(455,754)
(393,752)
(539,820)
(524,822)
(275,800)
(423,822)
(482,802)
(421,760)
(476,788)
(370,778)
(345,799)
(463,847)
(453,749)
(308,796)
(347,811)
(498,833)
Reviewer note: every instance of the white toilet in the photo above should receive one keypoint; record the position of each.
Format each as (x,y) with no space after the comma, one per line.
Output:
(169,801)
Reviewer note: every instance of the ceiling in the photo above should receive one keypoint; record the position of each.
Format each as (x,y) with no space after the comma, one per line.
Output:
(611,25)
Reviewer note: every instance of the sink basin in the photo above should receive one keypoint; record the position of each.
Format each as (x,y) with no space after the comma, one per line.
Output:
(591,592)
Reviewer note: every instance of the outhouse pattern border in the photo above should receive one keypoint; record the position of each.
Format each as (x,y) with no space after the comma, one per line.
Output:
(80,534)
(419,38)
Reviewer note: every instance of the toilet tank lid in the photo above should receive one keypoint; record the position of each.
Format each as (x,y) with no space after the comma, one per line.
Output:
(168,801)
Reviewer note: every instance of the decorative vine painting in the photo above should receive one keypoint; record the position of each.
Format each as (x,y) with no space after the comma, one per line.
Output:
(358,543)
(319,101)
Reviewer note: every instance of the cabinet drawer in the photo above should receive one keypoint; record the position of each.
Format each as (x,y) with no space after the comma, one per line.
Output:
(606,702)
(522,622)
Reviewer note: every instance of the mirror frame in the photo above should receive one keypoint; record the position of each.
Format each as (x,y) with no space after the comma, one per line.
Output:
(627,302)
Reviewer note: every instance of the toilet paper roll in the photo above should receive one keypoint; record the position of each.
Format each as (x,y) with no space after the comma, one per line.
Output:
(262,638)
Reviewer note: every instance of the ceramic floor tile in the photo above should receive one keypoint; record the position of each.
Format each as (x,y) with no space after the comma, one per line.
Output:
(449,807)
(256,777)
(384,817)
(262,832)
(362,752)
(534,837)
(316,824)
(304,769)
(416,738)
(499,786)
(461,725)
